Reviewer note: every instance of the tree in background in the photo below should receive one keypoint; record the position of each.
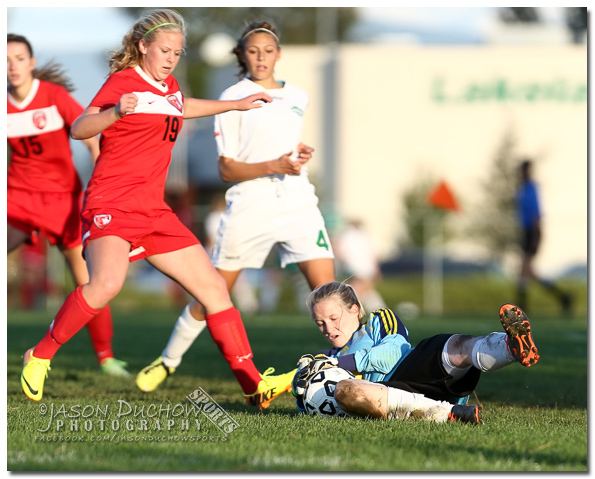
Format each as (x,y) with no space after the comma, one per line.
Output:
(418,213)
(415,209)
(519,15)
(494,221)
(298,25)
(577,20)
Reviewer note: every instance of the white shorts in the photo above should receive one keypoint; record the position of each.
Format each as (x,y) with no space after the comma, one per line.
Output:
(269,211)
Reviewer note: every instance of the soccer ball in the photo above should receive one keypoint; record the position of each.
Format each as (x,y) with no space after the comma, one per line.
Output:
(319,398)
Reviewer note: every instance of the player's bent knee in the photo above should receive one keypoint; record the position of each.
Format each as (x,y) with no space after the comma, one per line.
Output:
(111,289)
(211,296)
(102,292)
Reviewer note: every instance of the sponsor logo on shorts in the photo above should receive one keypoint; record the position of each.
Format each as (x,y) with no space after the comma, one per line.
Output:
(39,119)
(101,221)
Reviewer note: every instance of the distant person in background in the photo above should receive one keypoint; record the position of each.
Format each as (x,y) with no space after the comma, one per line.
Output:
(357,257)
(529,215)
(272,202)
(44,188)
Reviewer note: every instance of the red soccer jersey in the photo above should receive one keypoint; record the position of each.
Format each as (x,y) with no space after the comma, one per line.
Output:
(132,167)
(38,131)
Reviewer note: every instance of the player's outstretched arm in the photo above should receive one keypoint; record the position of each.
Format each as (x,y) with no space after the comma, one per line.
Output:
(197,108)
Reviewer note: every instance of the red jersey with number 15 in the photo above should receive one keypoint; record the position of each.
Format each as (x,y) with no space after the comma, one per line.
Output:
(135,154)
(38,135)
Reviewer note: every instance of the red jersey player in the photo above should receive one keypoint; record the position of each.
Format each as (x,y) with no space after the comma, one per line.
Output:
(139,112)
(44,189)
(274,203)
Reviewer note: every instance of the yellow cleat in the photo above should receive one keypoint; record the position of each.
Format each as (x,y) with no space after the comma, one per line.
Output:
(35,371)
(269,388)
(153,375)
(114,367)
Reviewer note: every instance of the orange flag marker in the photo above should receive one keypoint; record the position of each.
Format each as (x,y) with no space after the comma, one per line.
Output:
(443,198)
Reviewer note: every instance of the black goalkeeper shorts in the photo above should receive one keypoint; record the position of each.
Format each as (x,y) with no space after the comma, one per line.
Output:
(422,372)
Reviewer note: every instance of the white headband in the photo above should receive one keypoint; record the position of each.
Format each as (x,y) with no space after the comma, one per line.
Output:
(261,30)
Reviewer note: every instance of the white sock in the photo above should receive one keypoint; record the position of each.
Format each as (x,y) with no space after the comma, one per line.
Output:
(455,372)
(490,353)
(185,332)
(403,404)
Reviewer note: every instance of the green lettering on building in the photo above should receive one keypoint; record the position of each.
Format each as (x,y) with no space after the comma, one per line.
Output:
(503,90)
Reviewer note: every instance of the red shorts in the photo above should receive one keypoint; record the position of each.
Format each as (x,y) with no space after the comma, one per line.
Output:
(147,235)
(55,215)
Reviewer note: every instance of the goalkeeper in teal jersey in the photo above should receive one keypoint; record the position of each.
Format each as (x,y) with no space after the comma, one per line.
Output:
(376,348)
(396,379)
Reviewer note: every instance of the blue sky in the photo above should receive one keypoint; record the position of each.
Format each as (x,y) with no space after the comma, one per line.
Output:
(69,29)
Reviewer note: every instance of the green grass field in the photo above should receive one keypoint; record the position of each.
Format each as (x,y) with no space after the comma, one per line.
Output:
(535,419)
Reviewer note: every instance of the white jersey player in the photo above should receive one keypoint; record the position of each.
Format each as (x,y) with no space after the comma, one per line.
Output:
(278,208)
(272,201)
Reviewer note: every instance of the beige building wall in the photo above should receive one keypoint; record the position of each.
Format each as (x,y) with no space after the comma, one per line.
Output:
(400,112)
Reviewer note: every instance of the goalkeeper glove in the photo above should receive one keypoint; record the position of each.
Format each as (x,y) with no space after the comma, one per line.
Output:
(299,382)
(321,362)
(308,366)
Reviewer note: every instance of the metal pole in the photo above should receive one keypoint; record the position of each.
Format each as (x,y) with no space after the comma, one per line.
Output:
(327,34)
(433,266)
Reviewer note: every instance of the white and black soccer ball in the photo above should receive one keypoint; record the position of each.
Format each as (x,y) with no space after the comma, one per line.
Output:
(319,398)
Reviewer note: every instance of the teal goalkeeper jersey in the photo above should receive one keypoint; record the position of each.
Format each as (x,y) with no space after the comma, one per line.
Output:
(378,346)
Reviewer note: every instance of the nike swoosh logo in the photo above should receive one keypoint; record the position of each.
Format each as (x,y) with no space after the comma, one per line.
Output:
(33,391)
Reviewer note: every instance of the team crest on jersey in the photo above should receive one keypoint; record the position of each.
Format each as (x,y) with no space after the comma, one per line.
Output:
(173,99)
(39,119)
(101,221)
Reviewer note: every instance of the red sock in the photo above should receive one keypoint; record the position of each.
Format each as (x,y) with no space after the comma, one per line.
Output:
(101,331)
(73,315)
(227,330)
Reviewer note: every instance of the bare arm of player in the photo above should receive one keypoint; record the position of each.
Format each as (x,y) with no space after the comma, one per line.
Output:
(233,171)
(196,108)
(94,120)
(93,145)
